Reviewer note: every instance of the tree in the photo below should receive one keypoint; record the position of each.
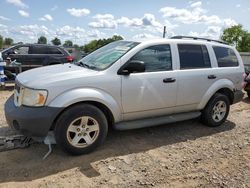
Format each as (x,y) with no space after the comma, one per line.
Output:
(68,43)
(42,40)
(1,41)
(237,36)
(95,44)
(76,46)
(8,41)
(117,37)
(56,41)
(244,45)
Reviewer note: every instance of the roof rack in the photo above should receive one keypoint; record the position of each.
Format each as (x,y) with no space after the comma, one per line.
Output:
(198,38)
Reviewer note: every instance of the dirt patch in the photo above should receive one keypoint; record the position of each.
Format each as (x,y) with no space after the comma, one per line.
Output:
(185,154)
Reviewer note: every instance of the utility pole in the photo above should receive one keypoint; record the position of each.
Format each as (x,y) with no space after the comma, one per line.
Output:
(164,32)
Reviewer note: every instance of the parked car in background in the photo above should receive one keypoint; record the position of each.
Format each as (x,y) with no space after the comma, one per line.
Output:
(247,68)
(247,84)
(35,55)
(127,85)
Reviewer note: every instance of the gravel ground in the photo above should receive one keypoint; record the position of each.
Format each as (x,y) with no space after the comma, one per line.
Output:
(185,154)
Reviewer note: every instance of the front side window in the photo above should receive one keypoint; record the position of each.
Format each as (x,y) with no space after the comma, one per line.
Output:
(193,56)
(156,58)
(225,57)
(22,50)
(107,55)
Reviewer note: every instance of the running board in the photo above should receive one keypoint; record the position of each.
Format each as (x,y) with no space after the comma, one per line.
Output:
(149,122)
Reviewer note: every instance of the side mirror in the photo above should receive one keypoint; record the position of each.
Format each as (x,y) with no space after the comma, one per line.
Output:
(132,67)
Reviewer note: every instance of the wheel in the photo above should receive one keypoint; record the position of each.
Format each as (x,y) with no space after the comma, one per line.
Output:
(216,111)
(80,129)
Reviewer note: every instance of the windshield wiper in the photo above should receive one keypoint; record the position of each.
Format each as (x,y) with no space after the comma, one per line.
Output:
(86,65)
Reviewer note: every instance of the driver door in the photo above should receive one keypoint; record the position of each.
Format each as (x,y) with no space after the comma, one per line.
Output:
(20,54)
(152,92)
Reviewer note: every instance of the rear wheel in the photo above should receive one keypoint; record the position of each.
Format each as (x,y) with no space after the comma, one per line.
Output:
(216,111)
(80,129)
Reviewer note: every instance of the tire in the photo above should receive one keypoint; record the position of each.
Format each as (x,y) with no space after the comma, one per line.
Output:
(81,129)
(216,111)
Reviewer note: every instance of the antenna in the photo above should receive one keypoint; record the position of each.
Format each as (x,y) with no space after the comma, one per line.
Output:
(164,32)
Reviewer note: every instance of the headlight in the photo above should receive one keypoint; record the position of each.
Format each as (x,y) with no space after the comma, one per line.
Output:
(31,97)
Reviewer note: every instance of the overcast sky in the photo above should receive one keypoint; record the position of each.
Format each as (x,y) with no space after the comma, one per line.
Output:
(85,20)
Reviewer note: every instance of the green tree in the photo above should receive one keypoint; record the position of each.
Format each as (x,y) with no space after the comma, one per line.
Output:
(68,43)
(117,37)
(1,41)
(42,40)
(76,46)
(56,41)
(95,44)
(237,36)
(8,41)
(244,45)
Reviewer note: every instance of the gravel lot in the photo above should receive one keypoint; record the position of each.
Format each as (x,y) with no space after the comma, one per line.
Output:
(185,154)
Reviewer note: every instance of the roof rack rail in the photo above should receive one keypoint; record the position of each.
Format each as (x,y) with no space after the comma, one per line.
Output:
(198,38)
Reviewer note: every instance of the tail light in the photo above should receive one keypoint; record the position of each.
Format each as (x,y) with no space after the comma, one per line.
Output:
(69,58)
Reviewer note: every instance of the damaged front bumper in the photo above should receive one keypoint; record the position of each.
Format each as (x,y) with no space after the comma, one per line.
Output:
(34,122)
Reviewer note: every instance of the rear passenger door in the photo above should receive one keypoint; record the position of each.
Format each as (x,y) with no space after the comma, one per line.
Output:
(38,54)
(194,77)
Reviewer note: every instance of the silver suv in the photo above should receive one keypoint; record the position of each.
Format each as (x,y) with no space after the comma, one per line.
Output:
(127,85)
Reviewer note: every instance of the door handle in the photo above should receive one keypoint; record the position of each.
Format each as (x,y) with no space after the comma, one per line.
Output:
(168,80)
(211,76)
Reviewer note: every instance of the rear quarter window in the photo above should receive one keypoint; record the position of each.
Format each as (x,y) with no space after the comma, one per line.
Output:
(52,50)
(225,57)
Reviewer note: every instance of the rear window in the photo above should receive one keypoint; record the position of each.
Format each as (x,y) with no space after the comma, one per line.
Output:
(193,56)
(225,57)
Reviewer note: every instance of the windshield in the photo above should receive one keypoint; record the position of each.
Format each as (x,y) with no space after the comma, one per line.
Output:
(107,55)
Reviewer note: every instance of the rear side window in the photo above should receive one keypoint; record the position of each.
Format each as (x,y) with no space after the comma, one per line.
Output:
(193,56)
(225,57)
(45,50)
(39,50)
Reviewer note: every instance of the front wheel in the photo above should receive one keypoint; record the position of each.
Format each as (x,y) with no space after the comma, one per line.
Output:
(216,111)
(80,129)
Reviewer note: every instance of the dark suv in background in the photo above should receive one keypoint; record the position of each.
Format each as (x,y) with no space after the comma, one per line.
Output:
(36,55)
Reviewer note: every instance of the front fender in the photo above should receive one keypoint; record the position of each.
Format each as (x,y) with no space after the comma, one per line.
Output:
(219,84)
(87,94)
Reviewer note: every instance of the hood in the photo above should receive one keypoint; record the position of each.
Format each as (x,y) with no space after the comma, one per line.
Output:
(45,76)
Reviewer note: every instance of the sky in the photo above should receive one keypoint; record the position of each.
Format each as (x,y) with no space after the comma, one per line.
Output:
(84,20)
